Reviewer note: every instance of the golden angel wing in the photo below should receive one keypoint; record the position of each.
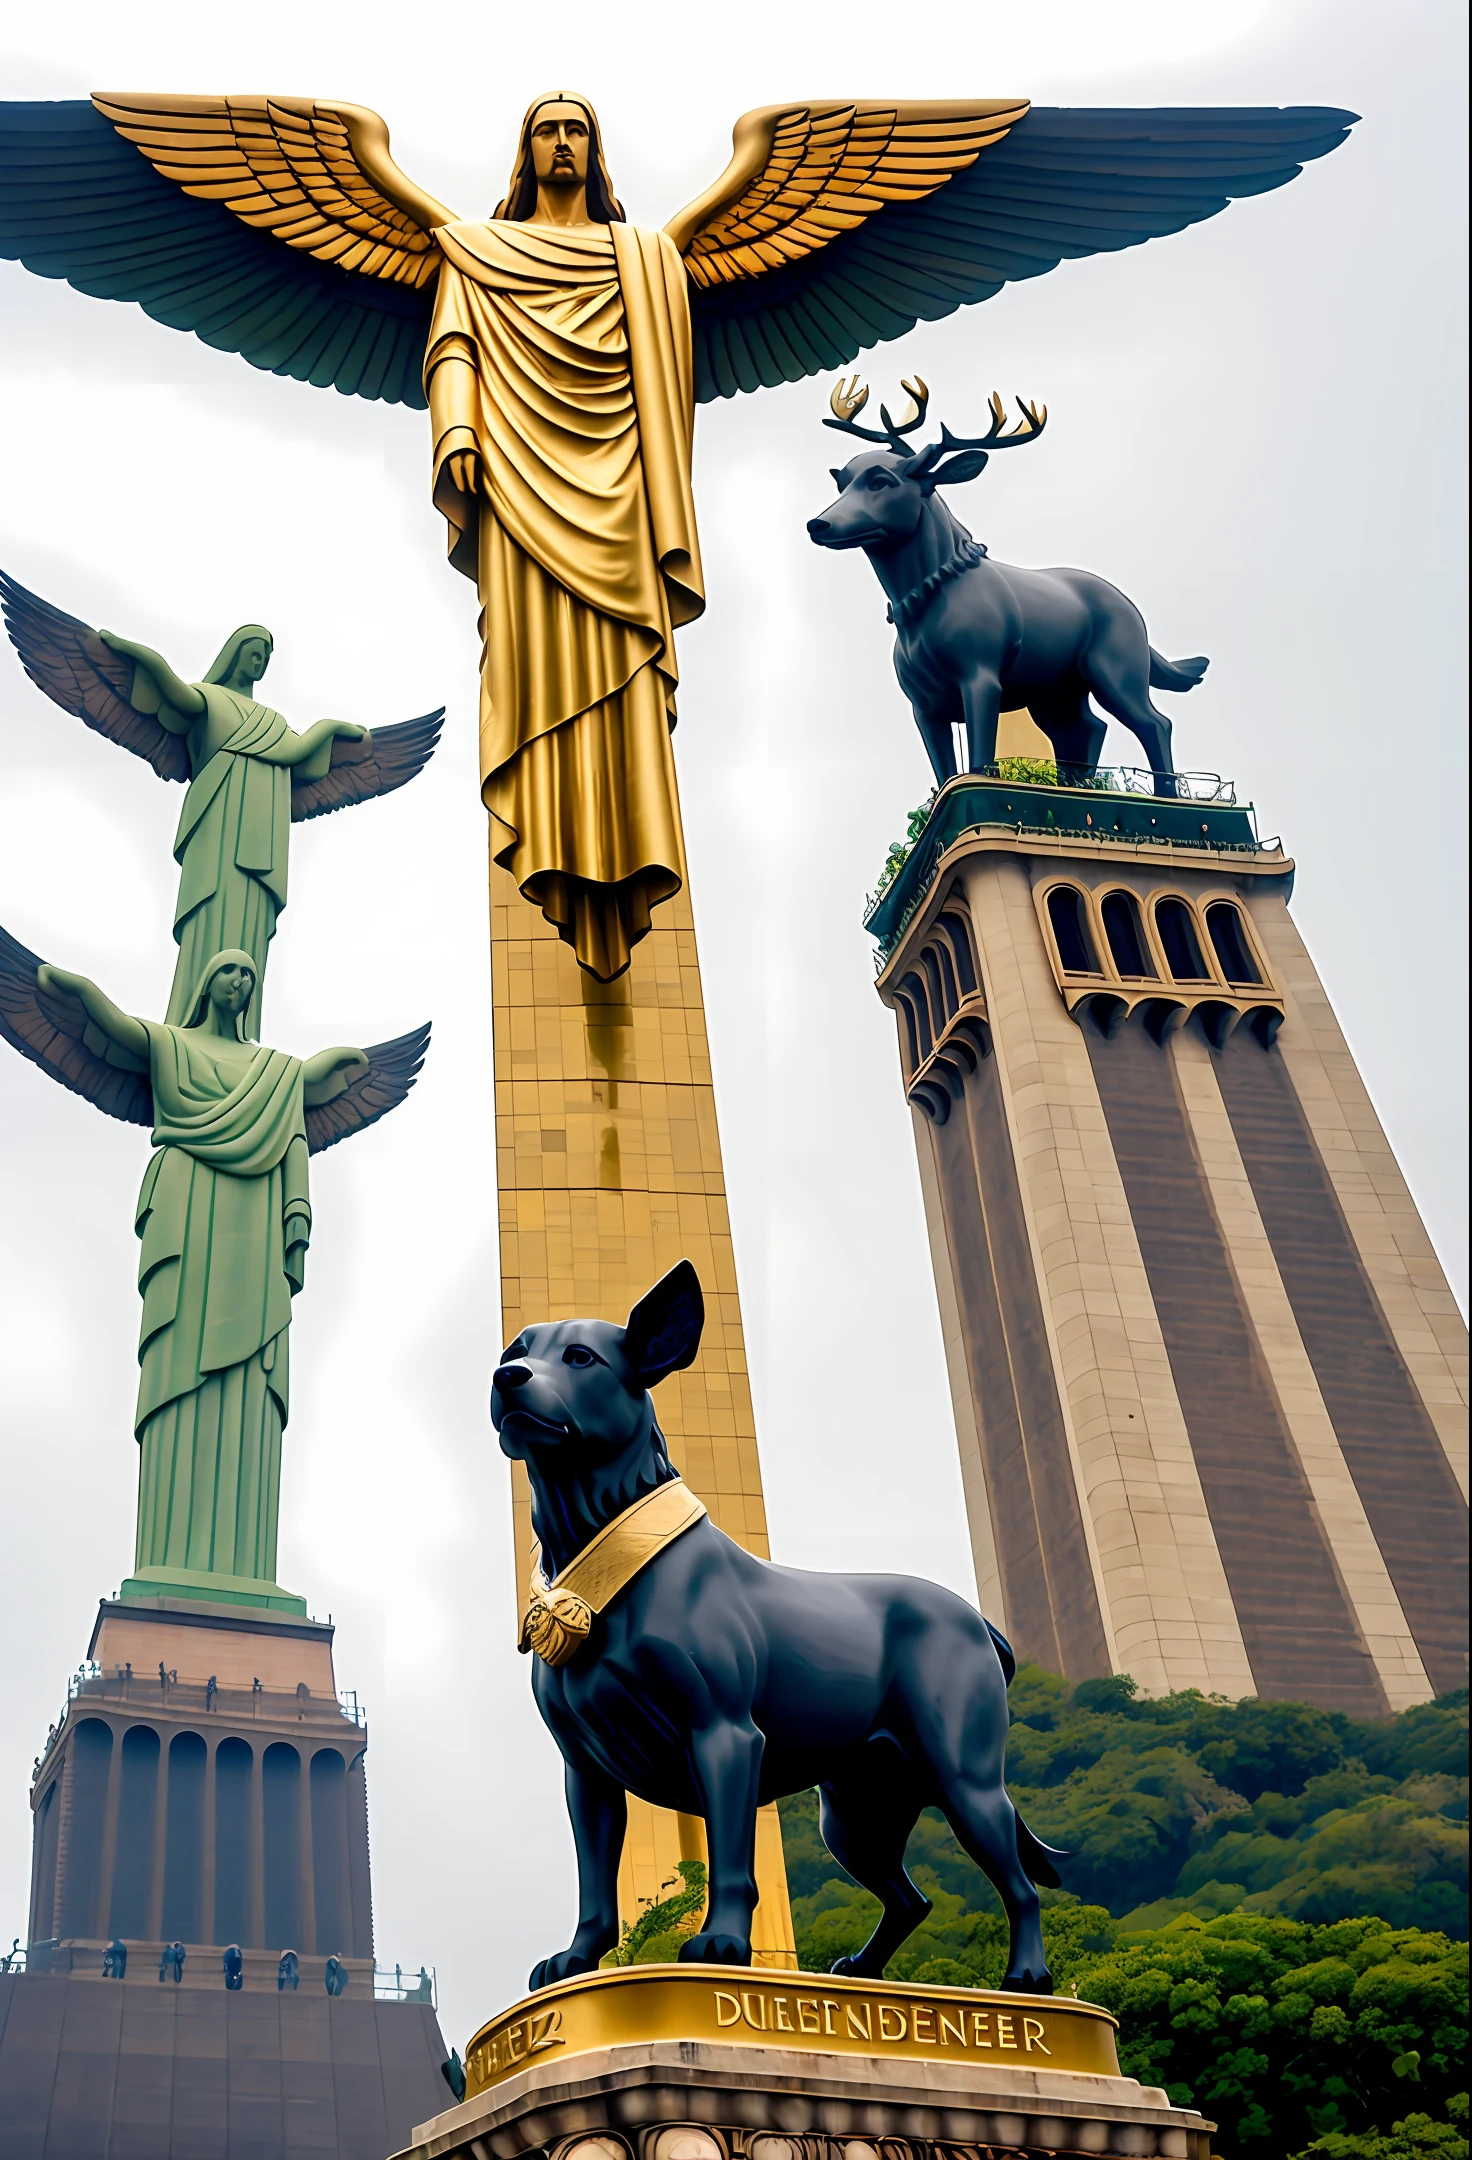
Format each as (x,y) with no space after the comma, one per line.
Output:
(314,174)
(802,174)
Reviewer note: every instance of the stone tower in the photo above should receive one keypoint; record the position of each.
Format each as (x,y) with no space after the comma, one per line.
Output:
(1208,1378)
(204,1789)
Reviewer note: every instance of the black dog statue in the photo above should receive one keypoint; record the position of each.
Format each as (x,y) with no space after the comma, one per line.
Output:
(673,1665)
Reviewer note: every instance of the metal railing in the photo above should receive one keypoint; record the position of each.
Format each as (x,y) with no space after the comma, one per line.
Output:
(1127,780)
(391,1983)
(164,1690)
(1205,787)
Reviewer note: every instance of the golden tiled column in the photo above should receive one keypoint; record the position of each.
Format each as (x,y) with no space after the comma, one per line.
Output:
(608,1164)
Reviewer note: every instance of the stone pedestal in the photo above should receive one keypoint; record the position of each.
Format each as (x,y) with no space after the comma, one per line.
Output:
(703,2062)
(712,2100)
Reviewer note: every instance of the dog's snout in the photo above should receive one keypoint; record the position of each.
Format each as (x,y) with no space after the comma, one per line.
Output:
(817,528)
(507,1378)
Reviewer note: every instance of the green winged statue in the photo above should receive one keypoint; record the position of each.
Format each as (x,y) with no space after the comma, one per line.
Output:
(224,1219)
(249,775)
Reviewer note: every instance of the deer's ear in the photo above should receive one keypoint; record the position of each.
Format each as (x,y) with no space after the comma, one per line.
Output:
(964,466)
(840,475)
(664,1328)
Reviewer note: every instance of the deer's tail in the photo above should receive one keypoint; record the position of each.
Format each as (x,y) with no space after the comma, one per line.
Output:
(1037,1857)
(1176,674)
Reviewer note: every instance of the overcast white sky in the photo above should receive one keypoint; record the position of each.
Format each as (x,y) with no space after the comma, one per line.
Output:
(1256,429)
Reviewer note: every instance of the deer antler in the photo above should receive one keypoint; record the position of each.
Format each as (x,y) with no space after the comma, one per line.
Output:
(846,402)
(1028,428)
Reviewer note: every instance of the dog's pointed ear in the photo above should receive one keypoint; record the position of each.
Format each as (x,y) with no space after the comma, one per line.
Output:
(663,1331)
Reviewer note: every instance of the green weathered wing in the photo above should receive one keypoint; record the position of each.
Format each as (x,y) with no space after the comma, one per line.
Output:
(51,1028)
(80,201)
(68,660)
(1062,182)
(385,759)
(393,1067)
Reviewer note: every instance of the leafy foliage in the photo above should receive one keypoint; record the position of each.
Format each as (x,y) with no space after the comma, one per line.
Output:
(1280,2031)
(899,850)
(1191,1803)
(1267,1895)
(1032,771)
(1417,2137)
(665,1923)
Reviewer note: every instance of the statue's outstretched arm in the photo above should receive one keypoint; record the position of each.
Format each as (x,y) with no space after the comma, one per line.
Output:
(119,1027)
(180,700)
(294,749)
(381,760)
(348,1090)
(332,1072)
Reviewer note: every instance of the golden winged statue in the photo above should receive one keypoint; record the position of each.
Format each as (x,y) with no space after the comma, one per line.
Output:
(561,352)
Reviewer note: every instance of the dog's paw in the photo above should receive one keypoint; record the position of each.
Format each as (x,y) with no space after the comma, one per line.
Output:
(716,1950)
(1028,1982)
(561,1967)
(852,1968)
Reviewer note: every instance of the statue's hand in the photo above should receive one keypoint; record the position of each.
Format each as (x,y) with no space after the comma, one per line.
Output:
(464,469)
(331,1071)
(348,731)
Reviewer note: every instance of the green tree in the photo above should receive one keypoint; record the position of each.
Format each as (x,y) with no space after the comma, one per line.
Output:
(1282,2032)
(665,1923)
(1415,2137)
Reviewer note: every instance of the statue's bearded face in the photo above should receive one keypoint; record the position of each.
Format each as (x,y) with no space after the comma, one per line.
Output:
(560,145)
(230,990)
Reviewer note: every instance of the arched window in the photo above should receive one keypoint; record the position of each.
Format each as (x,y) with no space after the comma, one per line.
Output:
(907,1016)
(234,1880)
(281,1777)
(916,989)
(1126,934)
(941,1007)
(1071,929)
(955,929)
(43,1894)
(183,1907)
(948,990)
(1177,929)
(132,1877)
(81,1869)
(329,1804)
(1230,941)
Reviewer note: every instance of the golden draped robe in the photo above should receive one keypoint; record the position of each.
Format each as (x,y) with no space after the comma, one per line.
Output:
(562,357)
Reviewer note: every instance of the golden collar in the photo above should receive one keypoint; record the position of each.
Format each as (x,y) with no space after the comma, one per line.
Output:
(559,1615)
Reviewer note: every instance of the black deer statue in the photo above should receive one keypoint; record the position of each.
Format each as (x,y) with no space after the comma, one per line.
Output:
(975,638)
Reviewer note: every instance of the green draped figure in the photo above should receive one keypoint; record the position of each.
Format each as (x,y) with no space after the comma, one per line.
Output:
(235,827)
(249,775)
(224,1218)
